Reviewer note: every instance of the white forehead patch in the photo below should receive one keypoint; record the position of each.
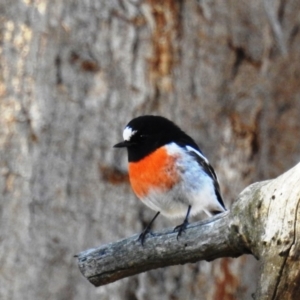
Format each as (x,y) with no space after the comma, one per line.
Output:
(128,133)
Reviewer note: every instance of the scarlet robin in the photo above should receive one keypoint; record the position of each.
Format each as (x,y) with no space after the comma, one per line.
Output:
(168,171)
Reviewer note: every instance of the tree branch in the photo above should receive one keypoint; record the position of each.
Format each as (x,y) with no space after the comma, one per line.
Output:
(207,240)
(263,222)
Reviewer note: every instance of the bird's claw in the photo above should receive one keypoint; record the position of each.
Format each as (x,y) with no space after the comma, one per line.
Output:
(142,236)
(180,228)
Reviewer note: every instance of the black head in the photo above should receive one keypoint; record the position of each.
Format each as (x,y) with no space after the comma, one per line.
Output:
(145,134)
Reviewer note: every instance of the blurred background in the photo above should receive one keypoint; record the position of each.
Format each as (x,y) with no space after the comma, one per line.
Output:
(73,73)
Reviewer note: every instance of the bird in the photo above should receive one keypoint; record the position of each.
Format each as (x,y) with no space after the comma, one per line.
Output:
(168,172)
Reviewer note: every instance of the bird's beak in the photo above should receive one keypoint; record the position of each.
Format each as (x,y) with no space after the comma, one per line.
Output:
(123,144)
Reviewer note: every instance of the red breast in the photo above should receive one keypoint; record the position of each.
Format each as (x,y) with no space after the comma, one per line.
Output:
(156,171)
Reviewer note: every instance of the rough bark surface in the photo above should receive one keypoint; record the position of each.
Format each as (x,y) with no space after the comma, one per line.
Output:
(73,73)
(264,222)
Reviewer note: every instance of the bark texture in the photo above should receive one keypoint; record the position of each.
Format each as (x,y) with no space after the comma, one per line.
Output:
(264,222)
(206,240)
(73,73)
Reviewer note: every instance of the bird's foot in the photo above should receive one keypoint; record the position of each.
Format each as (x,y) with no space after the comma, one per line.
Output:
(142,236)
(181,228)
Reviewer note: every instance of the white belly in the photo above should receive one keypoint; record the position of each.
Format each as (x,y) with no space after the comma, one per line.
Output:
(195,188)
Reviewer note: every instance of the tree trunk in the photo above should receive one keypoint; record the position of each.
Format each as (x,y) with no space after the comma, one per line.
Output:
(73,73)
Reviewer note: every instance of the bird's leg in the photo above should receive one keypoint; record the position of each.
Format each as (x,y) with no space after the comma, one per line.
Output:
(181,228)
(147,229)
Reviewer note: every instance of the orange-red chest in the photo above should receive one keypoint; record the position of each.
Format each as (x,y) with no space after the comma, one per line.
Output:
(157,170)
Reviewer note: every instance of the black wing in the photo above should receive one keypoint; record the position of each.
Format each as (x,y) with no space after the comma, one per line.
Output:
(208,169)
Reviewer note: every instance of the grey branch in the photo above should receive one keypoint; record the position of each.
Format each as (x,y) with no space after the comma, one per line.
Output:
(262,222)
(202,240)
